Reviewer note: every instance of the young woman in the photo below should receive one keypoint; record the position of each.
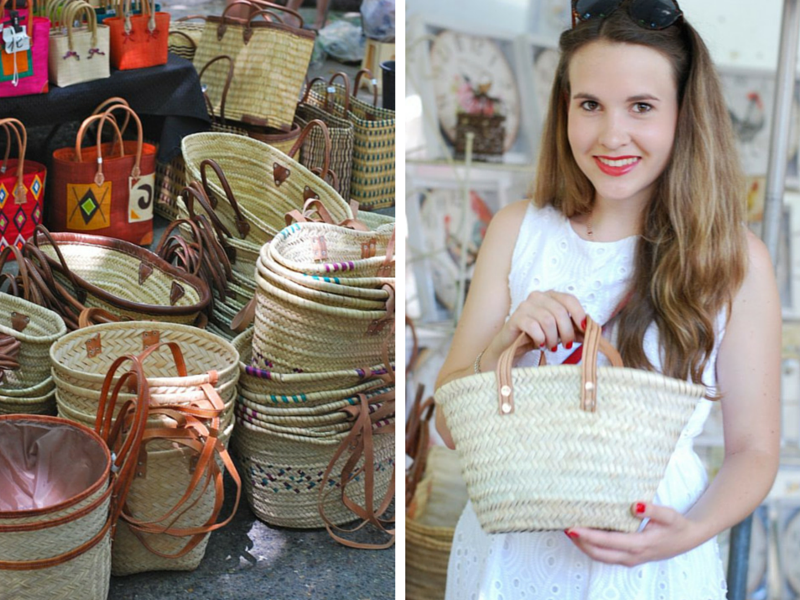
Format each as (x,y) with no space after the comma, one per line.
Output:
(638,209)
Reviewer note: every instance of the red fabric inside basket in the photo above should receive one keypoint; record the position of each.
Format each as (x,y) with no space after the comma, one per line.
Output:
(45,464)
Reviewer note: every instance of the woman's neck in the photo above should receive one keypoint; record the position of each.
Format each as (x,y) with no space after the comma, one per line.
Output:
(609,221)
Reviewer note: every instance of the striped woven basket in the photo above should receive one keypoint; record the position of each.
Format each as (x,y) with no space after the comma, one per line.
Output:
(312,154)
(560,446)
(283,475)
(332,251)
(35,328)
(184,37)
(292,389)
(297,335)
(33,403)
(373,176)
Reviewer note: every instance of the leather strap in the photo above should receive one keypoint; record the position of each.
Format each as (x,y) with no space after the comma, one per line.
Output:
(372,80)
(9,354)
(593,342)
(242,226)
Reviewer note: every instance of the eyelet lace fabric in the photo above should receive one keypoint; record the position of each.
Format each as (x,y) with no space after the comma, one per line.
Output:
(549,255)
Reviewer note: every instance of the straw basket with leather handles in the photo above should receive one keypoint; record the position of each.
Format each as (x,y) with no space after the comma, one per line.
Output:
(372,182)
(26,333)
(435,498)
(341,135)
(61,494)
(258,128)
(562,446)
(78,271)
(184,37)
(177,494)
(21,188)
(271,59)
(107,189)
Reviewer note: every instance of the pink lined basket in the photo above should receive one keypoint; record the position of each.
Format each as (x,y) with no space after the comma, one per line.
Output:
(36,80)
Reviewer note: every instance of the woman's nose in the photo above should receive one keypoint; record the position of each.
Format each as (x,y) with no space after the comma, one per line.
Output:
(614,133)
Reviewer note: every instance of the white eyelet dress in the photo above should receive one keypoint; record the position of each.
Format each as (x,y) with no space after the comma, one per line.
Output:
(549,255)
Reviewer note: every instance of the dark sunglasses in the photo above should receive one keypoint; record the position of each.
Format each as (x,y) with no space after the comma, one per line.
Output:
(648,14)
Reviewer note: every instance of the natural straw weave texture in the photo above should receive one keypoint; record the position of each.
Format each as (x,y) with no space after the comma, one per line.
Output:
(543,462)
(42,329)
(297,244)
(282,474)
(51,532)
(70,44)
(44,404)
(110,272)
(293,334)
(291,388)
(249,167)
(431,518)
(151,496)
(270,66)
(313,151)
(373,177)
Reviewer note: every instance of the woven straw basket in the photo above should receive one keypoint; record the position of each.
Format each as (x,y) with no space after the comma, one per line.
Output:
(33,540)
(561,446)
(265,182)
(283,474)
(373,175)
(430,524)
(121,277)
(271,60)
(56,525)
(35,328)
(291,388)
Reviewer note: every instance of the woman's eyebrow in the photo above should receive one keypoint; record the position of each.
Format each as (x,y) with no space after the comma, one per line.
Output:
(637,98)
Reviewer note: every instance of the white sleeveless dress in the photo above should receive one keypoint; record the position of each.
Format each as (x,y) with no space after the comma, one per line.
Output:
(549,255)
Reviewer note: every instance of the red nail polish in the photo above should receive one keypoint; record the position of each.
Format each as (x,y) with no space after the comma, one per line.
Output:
(640,508)
(583,324)
(573,535)
(568,345)
(554,348)
(541,345)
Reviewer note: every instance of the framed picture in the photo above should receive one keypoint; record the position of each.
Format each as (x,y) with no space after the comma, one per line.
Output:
(447,220)
(466,68)
(750,96)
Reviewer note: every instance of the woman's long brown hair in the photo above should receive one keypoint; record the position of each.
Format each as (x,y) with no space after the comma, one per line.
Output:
(692,256)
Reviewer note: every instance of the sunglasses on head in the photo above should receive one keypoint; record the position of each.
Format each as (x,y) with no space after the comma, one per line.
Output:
(648,14)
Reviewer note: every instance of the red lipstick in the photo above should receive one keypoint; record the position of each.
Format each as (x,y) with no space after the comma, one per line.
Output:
(616,171)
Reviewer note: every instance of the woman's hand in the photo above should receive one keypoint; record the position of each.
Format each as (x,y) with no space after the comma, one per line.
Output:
(668,533)
(549,318)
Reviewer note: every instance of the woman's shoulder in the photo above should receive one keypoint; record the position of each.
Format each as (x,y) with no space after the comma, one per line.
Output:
(524,214)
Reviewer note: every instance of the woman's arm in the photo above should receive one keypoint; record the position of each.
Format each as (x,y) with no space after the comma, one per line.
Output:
(547,317)
(748,376)
(487,303)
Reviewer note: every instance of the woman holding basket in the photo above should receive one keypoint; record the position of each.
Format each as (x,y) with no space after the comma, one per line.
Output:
(638,221)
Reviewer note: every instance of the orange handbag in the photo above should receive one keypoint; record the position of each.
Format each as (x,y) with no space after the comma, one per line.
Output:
(106,189)
(138,41)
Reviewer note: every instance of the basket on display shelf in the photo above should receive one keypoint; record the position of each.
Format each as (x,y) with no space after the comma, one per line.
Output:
(560,446)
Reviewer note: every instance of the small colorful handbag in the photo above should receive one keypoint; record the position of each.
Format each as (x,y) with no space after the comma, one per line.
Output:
(138,41)
(106,189)
(21,189)
(23,52)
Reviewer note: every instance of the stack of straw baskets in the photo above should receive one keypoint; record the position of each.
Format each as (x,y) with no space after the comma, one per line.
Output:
(26,333)
(317,366)
(196,384)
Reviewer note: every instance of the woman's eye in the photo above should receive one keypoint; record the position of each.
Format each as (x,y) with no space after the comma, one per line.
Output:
(589,105)
(642,107)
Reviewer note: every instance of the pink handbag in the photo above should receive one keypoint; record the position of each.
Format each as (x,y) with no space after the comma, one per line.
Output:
(23,72)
